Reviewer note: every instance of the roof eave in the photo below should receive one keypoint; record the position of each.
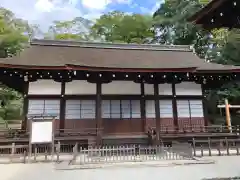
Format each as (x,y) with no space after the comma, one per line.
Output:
(205,10)
(218,71)
(87,68)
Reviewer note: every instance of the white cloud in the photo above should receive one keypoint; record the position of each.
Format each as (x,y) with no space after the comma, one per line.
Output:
(44,5)
(156,6)
(151,10)
(44,12)
(102,4)
(96,4)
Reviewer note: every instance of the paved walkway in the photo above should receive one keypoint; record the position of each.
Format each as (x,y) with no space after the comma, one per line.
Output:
(223,167)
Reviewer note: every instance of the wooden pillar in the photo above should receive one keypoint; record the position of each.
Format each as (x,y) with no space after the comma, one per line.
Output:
(205,109)
(25,105)
(174,106)
(228,116)
(157,110)
(143,107)
(62,107)
(99,112)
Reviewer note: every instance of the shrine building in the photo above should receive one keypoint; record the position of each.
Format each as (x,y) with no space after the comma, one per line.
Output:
(218,14)
(115,89)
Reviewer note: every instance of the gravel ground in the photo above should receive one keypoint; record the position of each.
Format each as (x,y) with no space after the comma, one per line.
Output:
(223,167)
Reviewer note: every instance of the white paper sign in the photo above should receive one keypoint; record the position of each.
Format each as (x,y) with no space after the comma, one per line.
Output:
(42,132)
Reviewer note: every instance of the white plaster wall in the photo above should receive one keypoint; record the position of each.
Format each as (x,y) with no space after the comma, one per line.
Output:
(80,87)
(188,88)
(165,89)
(148,89)
(121,87)
(44,87)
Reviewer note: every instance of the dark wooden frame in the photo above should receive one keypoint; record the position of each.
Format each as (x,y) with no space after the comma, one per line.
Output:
(99,97)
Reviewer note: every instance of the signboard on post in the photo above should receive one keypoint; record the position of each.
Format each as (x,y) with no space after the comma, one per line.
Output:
(41,130)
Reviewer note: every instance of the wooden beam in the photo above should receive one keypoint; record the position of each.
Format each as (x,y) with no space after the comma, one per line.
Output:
(230,106)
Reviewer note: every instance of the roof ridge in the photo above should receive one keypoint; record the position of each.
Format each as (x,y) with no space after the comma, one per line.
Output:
(108,45)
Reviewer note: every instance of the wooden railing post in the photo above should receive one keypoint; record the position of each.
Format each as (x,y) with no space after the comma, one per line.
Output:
(209,147)
(227,146)
(35,153)
(75,153)
(13,149)
(194,147)
(58,149)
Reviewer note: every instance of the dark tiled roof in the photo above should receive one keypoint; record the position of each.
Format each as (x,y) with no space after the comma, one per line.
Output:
(50,53)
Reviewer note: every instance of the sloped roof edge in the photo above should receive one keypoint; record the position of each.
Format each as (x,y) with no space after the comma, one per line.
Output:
(205,10)
(107,45)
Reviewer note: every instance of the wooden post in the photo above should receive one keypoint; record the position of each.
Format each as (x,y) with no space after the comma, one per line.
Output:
(99,113)
(58,149)
(157,111)
(228,117)
(13,151)
(62,108)
(25,106)
(174,106)
(143,107)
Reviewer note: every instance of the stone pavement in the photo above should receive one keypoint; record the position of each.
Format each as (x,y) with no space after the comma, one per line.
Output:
(227,166)
(131,164)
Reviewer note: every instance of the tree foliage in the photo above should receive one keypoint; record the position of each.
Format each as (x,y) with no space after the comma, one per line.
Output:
(121,27)
(14,33)
(219,45)
(14,36)
(76,29)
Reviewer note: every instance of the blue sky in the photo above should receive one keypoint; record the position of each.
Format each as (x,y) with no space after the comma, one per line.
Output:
(43,12)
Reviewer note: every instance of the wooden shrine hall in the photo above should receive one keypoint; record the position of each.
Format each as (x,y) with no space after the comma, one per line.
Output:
(115,89)
(218,14)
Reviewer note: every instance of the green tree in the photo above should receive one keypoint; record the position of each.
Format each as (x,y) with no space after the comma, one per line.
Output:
(171,21)
(11,105)
(120,27)
(14,36)
(218,45)
(76,29)
(14,33)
